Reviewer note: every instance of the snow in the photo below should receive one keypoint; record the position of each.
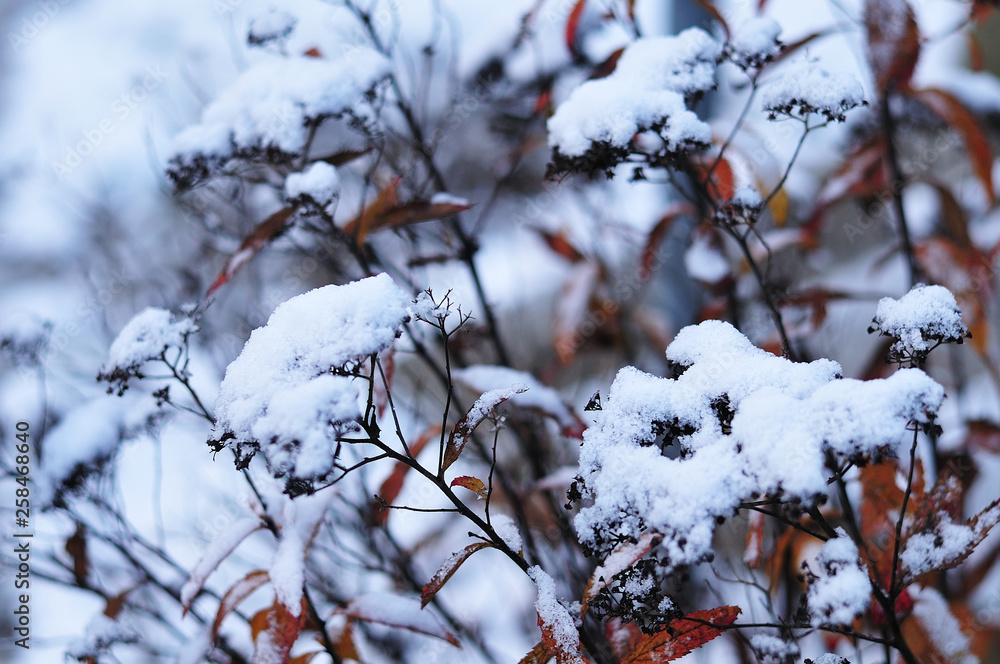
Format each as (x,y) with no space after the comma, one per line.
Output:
(270,109)
(747,196)
(319,182)
(841,589)
(396,611)
(941,627)
(648,87)
(555,618)
(218,550)
(145,337)
(287,572)
(746,424)
(919,319)
(490,399)
(945,544)
(704,261)
(85,437)
(772,649)
(508,532)
(482,378)
(754,42)
(809,89)
(279,394)
(272,26)
(829,658)
(444,198)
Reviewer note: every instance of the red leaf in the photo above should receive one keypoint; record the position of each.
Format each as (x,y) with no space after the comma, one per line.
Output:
(480,410)
(473,484)
(947,107)
(313,53)
(238,592)
(262,235)
(447,569)
(893,42)
(573,24)
(394,483)
(683,636)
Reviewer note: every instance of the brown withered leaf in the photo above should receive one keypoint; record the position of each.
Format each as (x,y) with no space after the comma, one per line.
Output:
(344,156)
(263,234)
(713,11)
(387,212)
(683,636)
(954,113)
(893,42)
(76,547)
(540,654)
(447,569)
(236,593)
(654,239)
(480,410)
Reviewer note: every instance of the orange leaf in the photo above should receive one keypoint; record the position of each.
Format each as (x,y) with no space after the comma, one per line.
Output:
(480,410)
(275,630)
(449,567)
(265,232)
(683,636)
(893,42)
(237,592)
(394,483)
(947,107)
(473,484)
(573,24)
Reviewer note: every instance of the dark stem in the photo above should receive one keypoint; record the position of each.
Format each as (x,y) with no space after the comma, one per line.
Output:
(896,184)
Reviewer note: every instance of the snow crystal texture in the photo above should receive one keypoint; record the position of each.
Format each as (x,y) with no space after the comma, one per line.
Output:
(280,394)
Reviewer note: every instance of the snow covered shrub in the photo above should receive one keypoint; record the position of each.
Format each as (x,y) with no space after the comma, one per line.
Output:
(358,416)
